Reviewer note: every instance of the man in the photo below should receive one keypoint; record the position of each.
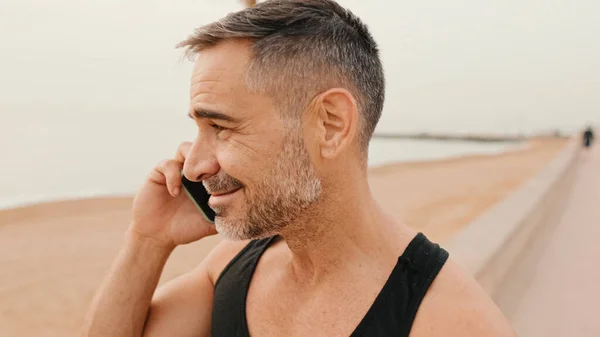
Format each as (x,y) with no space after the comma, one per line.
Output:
(286,96)
(588,137)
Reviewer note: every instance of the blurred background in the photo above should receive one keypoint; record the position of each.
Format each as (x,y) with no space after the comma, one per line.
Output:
(481,97)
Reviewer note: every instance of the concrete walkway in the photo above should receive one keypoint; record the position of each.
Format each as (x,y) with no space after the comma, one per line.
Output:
(564,296)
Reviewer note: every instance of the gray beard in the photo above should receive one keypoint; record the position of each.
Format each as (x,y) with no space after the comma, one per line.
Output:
(286,192)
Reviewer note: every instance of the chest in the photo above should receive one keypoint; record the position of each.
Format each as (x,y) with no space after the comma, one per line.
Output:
(275,307)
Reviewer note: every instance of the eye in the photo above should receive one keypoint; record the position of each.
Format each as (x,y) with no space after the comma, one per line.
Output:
(218,127)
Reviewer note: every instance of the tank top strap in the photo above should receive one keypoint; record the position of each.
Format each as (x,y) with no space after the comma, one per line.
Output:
(231,288)
(423,255)
(396,306)
(422,261)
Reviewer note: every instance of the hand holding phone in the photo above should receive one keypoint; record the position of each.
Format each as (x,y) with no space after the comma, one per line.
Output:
(166,211)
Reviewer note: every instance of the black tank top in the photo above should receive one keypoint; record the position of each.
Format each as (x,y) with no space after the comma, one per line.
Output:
(391,314)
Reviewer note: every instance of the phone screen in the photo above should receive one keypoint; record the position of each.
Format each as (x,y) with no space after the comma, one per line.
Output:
(198,194)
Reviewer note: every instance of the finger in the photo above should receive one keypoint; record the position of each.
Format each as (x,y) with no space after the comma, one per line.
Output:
(168,172)
(182,151)
(172,171)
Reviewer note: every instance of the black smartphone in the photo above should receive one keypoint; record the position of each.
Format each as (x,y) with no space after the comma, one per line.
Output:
(199,195)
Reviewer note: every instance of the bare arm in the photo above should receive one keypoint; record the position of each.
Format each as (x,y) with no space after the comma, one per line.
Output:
(120,306)
(162,219)
(183,307)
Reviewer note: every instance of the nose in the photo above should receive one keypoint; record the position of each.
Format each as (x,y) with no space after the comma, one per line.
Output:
(201,162)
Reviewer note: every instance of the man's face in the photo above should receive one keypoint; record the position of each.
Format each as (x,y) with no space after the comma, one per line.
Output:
(252,161)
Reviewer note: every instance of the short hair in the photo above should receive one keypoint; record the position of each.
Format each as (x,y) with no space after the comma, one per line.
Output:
(302,47)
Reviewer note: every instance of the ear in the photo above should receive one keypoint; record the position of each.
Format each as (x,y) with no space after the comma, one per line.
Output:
(337,117)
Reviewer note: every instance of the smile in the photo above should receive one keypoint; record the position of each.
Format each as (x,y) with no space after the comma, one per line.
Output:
(218,198)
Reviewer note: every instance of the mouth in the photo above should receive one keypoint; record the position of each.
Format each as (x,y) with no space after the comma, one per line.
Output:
(222,193)
(220,198)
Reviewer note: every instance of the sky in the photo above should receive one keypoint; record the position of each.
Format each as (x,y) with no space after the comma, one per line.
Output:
(450,65)
(94,88)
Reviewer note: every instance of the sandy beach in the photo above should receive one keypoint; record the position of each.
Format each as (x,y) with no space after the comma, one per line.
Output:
(53,256)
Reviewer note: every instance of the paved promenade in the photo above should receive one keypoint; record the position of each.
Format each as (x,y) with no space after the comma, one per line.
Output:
(564,296)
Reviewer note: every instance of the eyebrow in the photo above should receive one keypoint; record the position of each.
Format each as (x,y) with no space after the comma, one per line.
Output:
(201,113)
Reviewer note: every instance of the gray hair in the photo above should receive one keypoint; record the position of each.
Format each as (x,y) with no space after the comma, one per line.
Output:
(301,48)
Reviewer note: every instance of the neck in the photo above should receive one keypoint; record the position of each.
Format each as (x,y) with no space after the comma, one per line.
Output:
(346,225)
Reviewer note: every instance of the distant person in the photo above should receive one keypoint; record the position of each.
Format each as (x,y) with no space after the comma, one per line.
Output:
(588,137)
(285,96)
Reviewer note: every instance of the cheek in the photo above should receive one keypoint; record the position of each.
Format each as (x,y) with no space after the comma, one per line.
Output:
(240,162)
(232,161)
(249,157)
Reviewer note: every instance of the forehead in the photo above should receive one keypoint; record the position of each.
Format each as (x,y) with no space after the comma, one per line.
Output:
(220,70)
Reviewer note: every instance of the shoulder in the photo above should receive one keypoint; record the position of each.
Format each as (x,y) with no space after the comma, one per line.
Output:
(184,305)
(220,256)
(456,305)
